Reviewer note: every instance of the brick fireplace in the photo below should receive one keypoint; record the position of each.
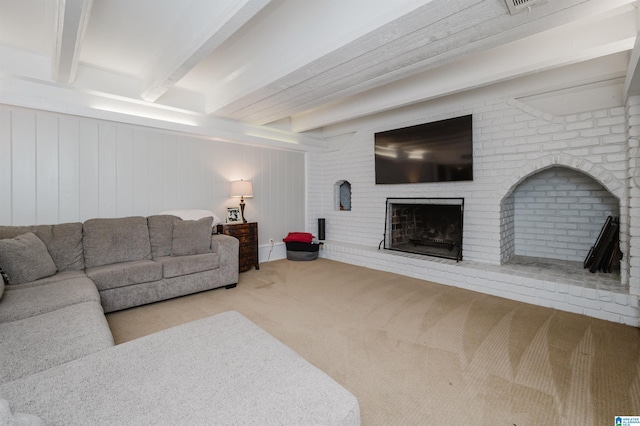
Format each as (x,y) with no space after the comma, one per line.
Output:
(556,213)
(543,187)
(556,209)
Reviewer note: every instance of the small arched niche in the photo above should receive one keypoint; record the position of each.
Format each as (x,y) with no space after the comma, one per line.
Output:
(342,195)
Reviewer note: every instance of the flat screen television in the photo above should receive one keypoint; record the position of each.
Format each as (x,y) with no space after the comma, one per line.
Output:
(441,151)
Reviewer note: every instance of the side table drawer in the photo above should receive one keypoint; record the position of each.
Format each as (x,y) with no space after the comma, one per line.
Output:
(241,230)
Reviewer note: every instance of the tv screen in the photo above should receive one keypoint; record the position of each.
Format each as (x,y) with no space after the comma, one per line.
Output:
(441,151)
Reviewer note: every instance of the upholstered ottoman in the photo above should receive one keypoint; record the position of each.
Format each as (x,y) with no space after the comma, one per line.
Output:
(220,370)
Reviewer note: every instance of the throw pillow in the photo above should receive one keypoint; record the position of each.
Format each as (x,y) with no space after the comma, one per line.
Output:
(300,237)
(161,234)
(191,237)
(25,258)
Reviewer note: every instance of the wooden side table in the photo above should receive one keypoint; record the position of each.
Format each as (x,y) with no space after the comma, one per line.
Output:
(247,233)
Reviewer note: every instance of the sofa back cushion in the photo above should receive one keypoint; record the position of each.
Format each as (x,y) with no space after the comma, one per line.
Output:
(191,237)
(63,241)
(25,258)
(108,241)
(161,234)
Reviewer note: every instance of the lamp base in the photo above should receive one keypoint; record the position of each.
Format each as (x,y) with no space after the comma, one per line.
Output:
(242,210)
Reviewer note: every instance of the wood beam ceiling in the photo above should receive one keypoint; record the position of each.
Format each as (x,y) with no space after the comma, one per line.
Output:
(544,51)
(189,47)
(403,48)
(71,24)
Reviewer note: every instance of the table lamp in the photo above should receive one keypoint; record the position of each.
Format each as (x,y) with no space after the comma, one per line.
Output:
(241,188)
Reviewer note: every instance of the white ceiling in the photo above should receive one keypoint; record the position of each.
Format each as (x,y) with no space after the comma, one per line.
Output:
(306,63)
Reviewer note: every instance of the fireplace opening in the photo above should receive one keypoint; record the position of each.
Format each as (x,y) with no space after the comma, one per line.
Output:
(551,221)
(427,226)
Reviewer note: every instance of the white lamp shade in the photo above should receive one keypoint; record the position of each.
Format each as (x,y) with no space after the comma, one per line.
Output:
(241,188)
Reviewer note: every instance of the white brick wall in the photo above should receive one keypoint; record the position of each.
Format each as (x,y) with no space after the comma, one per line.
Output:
(507,229)
(633,118)
(512,142)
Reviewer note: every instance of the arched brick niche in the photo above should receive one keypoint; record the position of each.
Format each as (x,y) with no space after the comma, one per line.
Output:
(557,209)
(602,176)
(342,195)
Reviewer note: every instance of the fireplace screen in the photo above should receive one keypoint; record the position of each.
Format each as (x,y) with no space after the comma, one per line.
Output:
(429,226)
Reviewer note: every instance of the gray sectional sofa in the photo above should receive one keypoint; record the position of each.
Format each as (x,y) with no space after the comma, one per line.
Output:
(58,362)
(131,261)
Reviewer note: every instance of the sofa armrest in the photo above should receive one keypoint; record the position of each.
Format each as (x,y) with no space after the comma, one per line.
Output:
(227,248)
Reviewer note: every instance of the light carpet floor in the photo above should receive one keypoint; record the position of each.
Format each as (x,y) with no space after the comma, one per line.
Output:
(418,353)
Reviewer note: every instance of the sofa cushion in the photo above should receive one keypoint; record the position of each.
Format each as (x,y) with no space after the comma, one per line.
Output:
(125,273)
(22,302)
(25,258)
(161,234)
(191,237)
(117,299)
(63,241)
(43,341)
(59,276)
(174,266)
(108,241)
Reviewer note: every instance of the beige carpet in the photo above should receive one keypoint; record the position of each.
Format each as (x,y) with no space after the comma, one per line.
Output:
(419,353)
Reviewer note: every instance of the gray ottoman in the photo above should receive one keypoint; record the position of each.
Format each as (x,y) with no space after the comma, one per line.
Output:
(220,370)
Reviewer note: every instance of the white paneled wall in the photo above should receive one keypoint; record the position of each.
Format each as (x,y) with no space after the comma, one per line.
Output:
(56,168)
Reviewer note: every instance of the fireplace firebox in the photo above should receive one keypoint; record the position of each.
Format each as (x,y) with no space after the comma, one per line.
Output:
(427,226)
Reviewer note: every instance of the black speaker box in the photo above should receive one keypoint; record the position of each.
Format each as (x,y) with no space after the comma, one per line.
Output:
(321,224)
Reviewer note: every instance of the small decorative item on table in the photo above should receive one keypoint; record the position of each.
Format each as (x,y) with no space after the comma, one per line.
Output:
(233,215)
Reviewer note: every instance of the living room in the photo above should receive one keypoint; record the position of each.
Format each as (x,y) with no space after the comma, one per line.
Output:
(91,148)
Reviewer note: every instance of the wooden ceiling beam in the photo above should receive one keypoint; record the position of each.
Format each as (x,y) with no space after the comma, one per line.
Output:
(72,17)
(196,39)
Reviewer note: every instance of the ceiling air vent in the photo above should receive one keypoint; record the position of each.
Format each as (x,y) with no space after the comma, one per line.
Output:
(517,6)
